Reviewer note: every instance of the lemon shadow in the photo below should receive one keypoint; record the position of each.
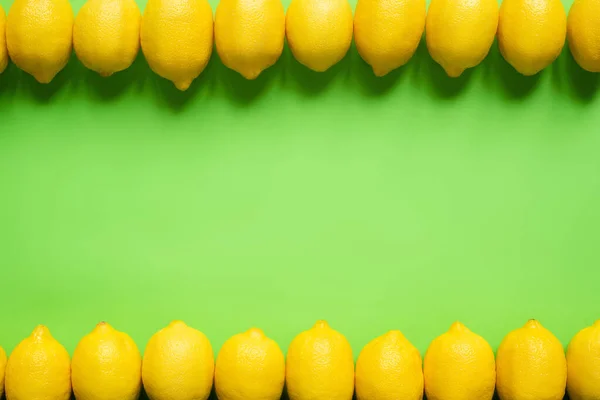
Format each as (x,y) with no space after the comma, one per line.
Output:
(9,80)
(582,85)
(68,77)
(432,77)
(373,85)
(244,91)
(514,85)
(112,87)
(143,395)
(558,70)
(178,100)
(311,83)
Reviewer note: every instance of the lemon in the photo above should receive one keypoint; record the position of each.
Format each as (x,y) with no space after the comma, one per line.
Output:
(583,364)
(583,33)
(387,33)
(320,365)
(39,368)
(459,365)
(460,33)
(3,50)
(250,366)
(389,368)
(106,366)
(106,35)
(249,34)
(531,365)
(531,33)
(177,39)
(39,35)
(178,364)
(319,32)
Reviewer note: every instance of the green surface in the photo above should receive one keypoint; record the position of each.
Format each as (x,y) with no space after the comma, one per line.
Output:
(399,203)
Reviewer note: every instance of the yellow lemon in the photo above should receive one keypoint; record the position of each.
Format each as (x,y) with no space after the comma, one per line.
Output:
(3,50)
(250,366)
(320,365)
(531,33)
(178,364)
(583,364)
(39,36)
(38,368)
(389,368)
(583,33)
(459,365)
(249,34)
(177,39)
(106,35)
(531,365)
(106,366)
(319,32)
(387,33)
(460,33)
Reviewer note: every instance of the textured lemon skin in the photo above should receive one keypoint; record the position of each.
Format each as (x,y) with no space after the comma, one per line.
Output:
(459,34)
(178,364)
(250,366)
(106,35)
(39,36)
(531,365)
(3,50)
(387,32)
(320,365)
(177,39)
(38,368)
(249,34)
(319,32)
(531,33)
(106,365)
(389,368)
(459,365)
(583,364)
(583,33)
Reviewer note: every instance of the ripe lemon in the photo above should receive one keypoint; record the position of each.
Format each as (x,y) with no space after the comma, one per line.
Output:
(389,368)
(177,39)
(583,364)
(39,36)
(249,34)
(106,366)
(531,365)
(38,368)
(459,365)
(387,33)
(3,50)
(460,33)
(106,35)
(320,365)
(583,33)
(319,32)
(250,366)
(178,364)
(531,33)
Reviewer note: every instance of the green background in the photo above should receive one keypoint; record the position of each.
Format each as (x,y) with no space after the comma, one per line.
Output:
(405,202)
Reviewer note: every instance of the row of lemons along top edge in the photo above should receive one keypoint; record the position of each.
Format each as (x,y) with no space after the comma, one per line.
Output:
(177,36)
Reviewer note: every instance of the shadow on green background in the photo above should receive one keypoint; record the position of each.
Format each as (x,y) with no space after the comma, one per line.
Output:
(568,77)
